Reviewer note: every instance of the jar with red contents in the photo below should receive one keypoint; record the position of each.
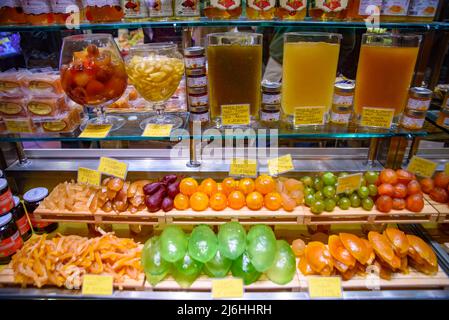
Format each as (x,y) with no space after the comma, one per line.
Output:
(10,239)
(32,199)
(6,200)
(21,219)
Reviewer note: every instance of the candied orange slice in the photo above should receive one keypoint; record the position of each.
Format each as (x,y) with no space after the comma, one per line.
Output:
(319,257)
(399,241)
(349,274)
(339,252)
(383,249)
(370,251)
(305,267)
(341,267)
(421,252)
(356,247)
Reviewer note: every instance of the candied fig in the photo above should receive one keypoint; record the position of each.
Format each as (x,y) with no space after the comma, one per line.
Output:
(152,188)
(167,204)
(169,179)
(173,189)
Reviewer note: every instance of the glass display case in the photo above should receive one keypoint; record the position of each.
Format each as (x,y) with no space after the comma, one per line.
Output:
(167,210)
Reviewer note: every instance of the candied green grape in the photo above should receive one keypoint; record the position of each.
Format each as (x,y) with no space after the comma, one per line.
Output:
(231,240)
(329,179)
(203,243)
(261,247)
(243,268)
(284,267)
(154,266)
(218,267)
(173,244)
(329,205)
(329,191)
(186,271)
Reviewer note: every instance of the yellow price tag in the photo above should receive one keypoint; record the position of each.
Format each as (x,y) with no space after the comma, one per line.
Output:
(422,167)
(89,176)
(235,114)
(349,183)
(157,130)
(325,287)
(309,116)
(243,167)
(96,131)
(227,288)
(97,285)
(113,167)
(377,117)
(19,126)
(280,165)
(446,168)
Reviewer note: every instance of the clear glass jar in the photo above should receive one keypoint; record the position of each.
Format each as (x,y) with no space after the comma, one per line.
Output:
(328,10)
(270,113)
(199,114)
(419,99)
(271,92)
(413,119)
(59,8)
(196,78)
(292,9)
(37,12)
(103,10)
(443,118)
(341,114)
(344,93)
(197,97)
(222,9)
(195,57)
(10,239)
(187,9)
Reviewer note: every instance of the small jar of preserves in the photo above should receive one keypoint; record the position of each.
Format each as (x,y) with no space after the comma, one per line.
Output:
(328,10)
(134,9)
(6,199)
(59,9)
(37,12)
(199,114)
(103,11)
(413,119)
(344,93)
(260,9)
(222,9)
(10,239)
(443,118)
(21,219)
(11,12)
(271,92)
(270,113)
(419,99)
(292,9)
(361,9)
(197,97)
(187,9)
(160,10)
(341,114)
(32,199)
(196,78)
(194,58)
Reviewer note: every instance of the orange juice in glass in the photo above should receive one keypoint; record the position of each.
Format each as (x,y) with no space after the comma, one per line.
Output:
(309,71)
(385,71)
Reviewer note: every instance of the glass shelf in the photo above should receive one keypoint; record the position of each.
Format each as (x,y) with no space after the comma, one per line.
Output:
(203,22)
(132,132)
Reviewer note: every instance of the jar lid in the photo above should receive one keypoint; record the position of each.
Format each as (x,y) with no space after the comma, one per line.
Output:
(199,109)
(268,86)
(3,184)
(347,86)
(5,219)
(267,106)
(341,108)
(420,92)
(415,113)
(35,194)
(197,90)
(196,72)
(193,51)
(16,201)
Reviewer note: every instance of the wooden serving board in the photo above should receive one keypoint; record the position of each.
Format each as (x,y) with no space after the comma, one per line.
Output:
(442,208)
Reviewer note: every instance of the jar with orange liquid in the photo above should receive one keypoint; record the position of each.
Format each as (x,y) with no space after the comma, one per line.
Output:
(328,9)
(222,9)
(61,9)
(37,12)
(291,9)
(394,10)
(422,10)
(11,12)
(359,9)
(103,10)
(260,9)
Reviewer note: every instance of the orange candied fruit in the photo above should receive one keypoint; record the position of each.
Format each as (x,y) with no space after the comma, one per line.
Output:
(199,201)
(265,184)
(236,200)
(188,186)
(181,202)
(218,201)
(246,185)
(254,200)
(229,185)
(208,186)
(273,201)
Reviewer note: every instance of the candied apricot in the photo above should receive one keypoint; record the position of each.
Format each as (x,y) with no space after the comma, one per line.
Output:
(188,186)
(413,187)
(254,200)
(421,252)
(265,184)
(229,185)
(356,246)
(288,203)
(246,185)
(236,200)
(384,204)
(208,186)
(441,180)
(415,202)
(399,241)
(218,201)
(293,185)
(404,176)
(298,247)
(273,201)
(181,202)
(199,201)
(385,189)
(427,185)
(305,268)
(319,258)
(398,204)
(384,249)
(388,176)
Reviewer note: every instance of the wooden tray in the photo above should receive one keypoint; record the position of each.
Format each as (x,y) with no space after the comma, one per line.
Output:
(141,217)
(442,208)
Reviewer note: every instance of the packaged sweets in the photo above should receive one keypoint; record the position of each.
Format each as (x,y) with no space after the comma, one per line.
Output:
(37,12)
(12,82)
(357,9)
(61,9)
(45,106)
(134,9)
(11,12)
(187,9)
(43,83)
(160,9)
(65,122)
(13,107)
(329,9)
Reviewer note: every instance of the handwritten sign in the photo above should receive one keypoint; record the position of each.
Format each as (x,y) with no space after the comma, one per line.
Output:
(113,167)
(96,131)
(349,183)
(325,287)
(89,176)
(377,117)
(157,130)
(422,167)
(227,288)
(235,114)
(97,285)
(243,168)
(309,116)
(19,126)
(280,165)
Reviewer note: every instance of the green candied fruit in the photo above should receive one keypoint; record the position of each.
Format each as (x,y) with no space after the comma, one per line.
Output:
(203,244)
(231,240)
(261,247)
(284,267)
(173,244)
(218,267)
(154,266)
(244,269)
(186,271)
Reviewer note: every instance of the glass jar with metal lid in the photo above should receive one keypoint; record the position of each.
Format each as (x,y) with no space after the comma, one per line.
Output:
(443,118)
(196,78)
(200,114)
(32,199)
(21,219)
(10,239)
(419,99)
(413,119)
(197,97)
(271,92)
(270,113)
(341,114)
(344,93)
(6,200)
(194,57)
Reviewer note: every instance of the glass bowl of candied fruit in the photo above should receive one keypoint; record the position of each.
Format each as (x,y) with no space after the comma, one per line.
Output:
(93,74)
